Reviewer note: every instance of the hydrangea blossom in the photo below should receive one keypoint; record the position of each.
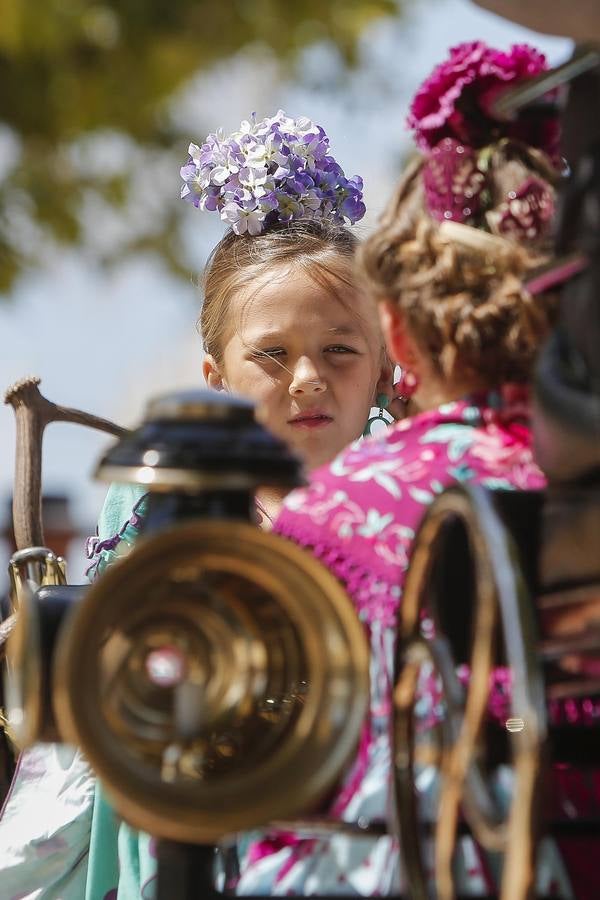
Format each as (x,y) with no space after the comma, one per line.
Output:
(274,170)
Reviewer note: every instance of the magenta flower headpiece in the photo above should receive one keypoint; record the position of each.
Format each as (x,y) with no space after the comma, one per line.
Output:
(456,100)
(454,124)
(276,170)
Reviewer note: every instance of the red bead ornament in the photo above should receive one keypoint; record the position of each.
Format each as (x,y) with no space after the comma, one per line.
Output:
(407,385)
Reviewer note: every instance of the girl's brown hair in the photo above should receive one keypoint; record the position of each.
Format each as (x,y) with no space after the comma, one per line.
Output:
(463,302)
(466,307)
(323,249)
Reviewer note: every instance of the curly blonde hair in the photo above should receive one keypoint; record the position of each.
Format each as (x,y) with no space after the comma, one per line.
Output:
(461,294)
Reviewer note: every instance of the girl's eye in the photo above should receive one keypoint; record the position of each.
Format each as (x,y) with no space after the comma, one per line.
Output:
(269,354)
(340,348)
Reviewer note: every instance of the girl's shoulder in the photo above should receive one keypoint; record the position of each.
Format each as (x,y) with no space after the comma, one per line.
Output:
(482,438)
(118,526)
(378,469)
(360,514)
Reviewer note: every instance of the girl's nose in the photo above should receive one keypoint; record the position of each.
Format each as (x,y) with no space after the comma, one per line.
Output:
(306,378)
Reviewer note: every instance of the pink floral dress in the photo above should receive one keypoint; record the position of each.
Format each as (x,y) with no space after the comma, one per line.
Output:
(359,516)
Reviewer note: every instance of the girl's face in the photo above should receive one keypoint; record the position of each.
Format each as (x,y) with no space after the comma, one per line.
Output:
(311,362)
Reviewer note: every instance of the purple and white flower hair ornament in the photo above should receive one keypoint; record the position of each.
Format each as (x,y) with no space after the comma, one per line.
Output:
(278,169)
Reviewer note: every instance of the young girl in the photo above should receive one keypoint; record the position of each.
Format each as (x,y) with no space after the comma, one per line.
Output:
(458,320)
(455,312)
(284,324)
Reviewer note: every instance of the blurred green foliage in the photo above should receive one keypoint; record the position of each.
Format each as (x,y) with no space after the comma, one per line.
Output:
(74,68)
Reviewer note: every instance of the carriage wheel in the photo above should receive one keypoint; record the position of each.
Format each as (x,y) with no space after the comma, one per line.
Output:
(500,598)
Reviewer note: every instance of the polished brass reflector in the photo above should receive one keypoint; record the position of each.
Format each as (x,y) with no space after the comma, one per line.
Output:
(217,679)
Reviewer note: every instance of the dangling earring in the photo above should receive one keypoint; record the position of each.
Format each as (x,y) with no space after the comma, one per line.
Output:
(406,386)
(379,418)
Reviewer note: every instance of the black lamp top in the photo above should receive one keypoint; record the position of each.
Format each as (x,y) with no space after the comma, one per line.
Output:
(199,440)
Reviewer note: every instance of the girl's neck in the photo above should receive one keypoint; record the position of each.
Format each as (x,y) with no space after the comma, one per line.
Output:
(430,396)
(433,390)
(269,501)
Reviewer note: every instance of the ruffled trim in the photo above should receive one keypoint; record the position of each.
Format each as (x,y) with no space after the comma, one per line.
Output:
(103,553)
(374,598)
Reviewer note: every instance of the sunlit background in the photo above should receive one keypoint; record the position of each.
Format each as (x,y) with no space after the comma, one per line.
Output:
(98,103)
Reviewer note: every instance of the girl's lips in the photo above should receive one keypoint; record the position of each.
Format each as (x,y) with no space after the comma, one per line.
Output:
(311,420)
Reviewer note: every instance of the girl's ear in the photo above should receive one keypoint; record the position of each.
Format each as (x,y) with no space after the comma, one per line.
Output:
(385,384)
(212,374)
(398,341)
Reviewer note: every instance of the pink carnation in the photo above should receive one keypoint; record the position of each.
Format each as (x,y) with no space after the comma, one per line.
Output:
(455,101)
